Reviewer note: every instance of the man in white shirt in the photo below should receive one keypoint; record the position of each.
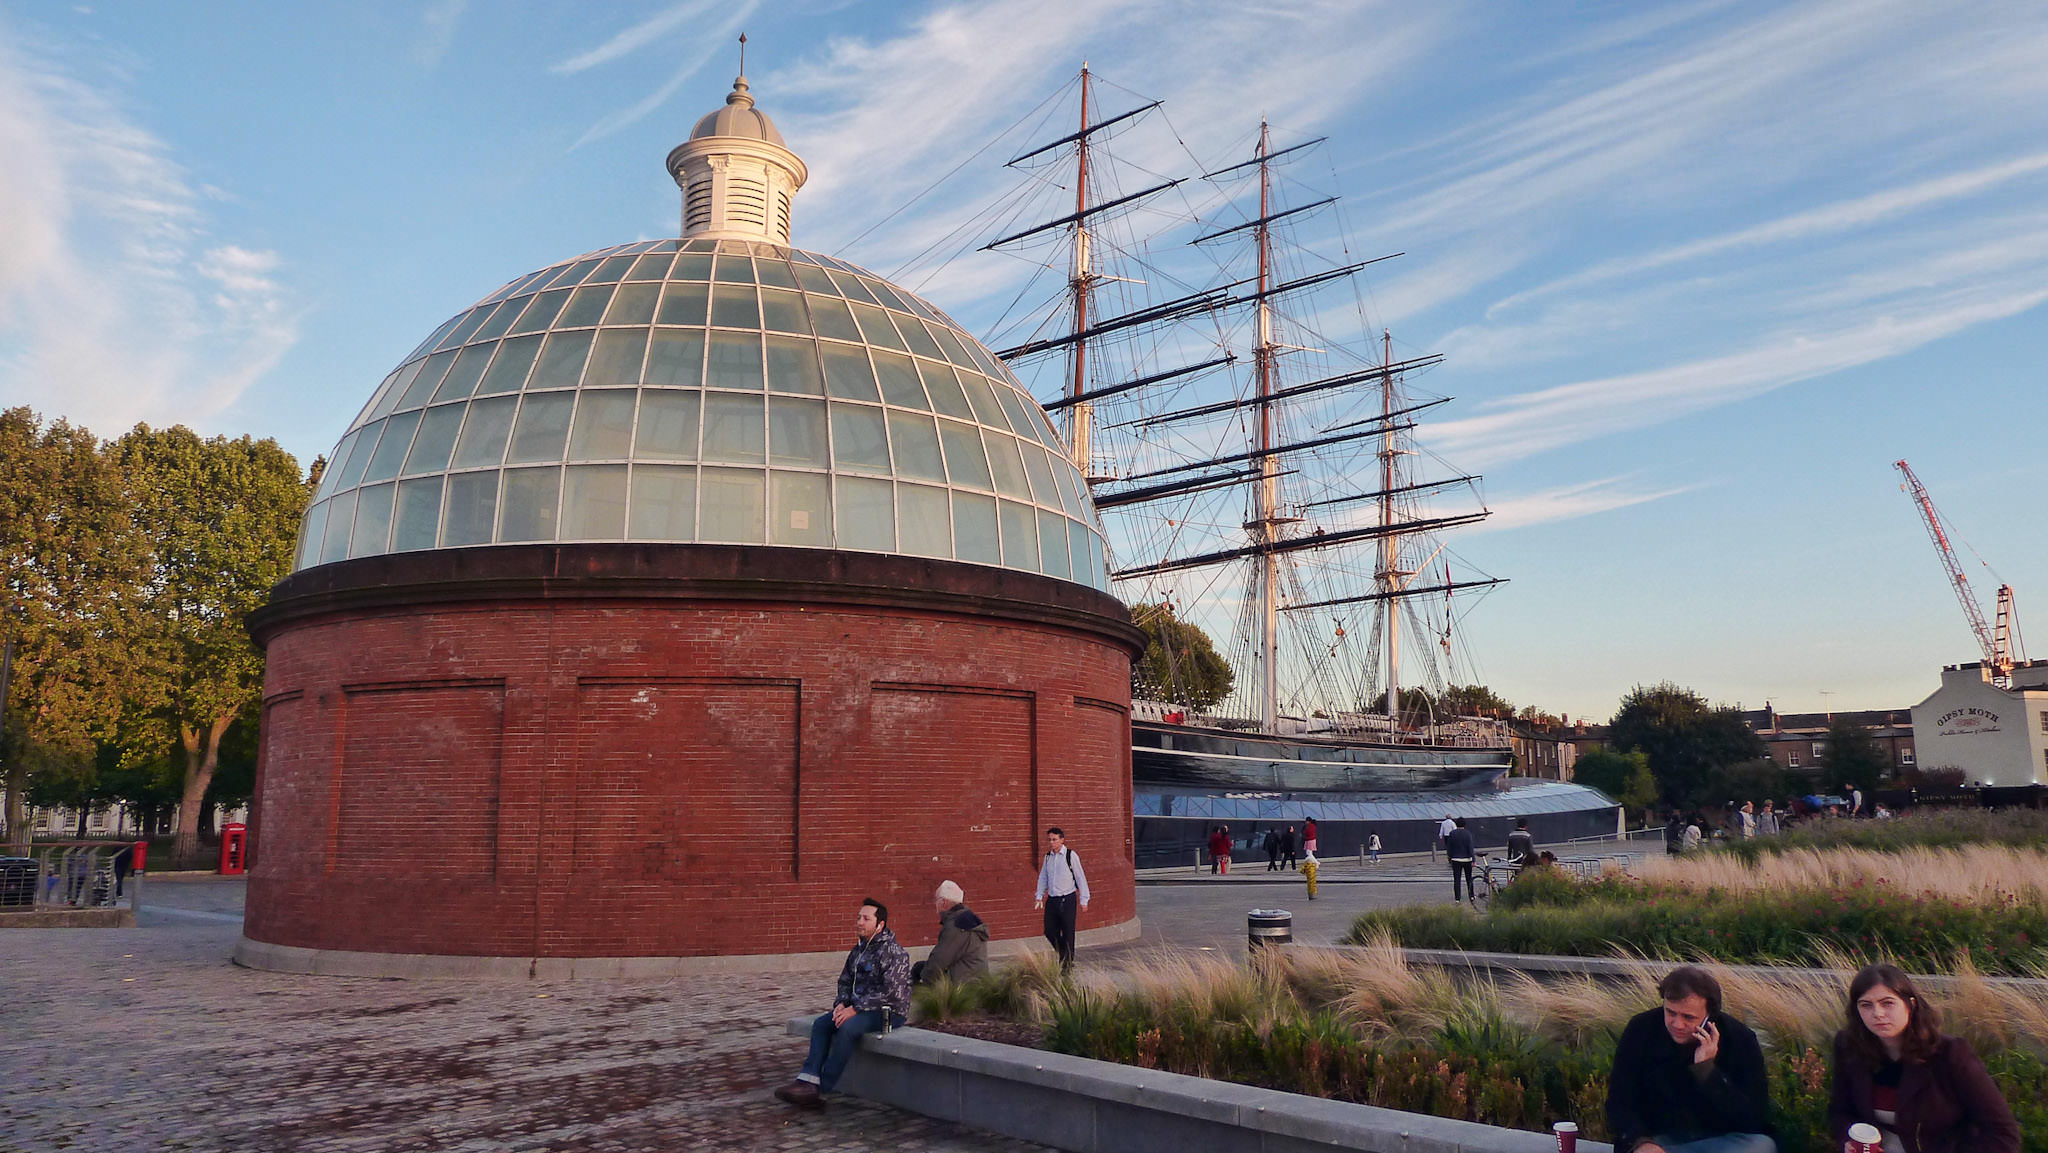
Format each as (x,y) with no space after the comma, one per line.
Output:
(1061,883)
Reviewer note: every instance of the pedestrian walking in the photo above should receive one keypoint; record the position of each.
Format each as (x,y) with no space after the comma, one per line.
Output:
(1308,839)
(1061,884)
(1372,845)
(1272,845)
(1288,848)
(1219,850)
(1458,848)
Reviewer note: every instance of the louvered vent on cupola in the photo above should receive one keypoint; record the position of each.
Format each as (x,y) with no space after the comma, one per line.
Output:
(697,203)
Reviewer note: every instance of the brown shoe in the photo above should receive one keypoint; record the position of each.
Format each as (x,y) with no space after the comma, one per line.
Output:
(801,1094)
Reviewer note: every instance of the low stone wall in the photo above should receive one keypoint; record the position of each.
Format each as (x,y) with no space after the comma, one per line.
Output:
(69,919)
(1088,1106)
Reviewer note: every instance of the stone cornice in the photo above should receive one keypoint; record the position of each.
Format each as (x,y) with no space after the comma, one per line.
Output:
(705,573)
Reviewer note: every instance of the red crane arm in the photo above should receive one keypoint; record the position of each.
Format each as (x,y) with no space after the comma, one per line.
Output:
(1956,576)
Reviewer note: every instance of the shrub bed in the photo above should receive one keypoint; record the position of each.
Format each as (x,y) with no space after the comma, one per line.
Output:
(1927,829)
(1548,912)
(1364,1026)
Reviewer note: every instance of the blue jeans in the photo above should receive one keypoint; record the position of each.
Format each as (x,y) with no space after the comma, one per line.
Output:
(1725,1143)
(832,1045)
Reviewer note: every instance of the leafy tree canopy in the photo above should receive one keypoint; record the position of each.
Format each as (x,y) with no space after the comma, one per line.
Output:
(1853,758)
(219,519)
(1624,776)
(1684,737)
(1180,663)
(69,569)
(1473,701)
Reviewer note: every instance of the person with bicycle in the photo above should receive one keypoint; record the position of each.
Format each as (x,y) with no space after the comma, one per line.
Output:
(1521,846)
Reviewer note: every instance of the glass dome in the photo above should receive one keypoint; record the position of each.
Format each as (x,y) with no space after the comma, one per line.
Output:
(705,391)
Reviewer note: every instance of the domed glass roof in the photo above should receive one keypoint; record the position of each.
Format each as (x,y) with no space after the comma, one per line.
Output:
(706,391)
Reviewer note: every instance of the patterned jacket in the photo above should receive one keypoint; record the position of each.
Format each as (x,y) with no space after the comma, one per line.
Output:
(876,975)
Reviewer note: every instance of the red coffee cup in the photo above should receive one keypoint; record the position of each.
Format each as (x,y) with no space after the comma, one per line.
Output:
(1567,1136)
(1865,1138)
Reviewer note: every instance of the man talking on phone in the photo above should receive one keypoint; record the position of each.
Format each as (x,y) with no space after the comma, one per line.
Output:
(1689,1078)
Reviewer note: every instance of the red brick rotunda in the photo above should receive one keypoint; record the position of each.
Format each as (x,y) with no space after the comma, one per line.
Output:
(669,601)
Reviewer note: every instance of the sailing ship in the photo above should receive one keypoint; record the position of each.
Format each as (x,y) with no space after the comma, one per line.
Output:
(1222,430)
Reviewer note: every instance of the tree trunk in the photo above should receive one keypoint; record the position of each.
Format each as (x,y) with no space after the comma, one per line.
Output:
(202,755)
(18,835)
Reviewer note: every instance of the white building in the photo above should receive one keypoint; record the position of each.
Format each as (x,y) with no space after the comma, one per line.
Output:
(1996,736)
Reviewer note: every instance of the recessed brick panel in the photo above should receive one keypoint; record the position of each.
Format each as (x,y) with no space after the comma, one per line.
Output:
(956,762)
(673,777)
(417,789)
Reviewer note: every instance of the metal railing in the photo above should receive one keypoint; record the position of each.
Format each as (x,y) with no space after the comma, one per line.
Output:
(70,875)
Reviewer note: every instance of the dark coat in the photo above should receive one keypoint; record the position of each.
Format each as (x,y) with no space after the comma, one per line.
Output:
(1948,1104)
(1273,842)
(962,951)
(1656,1087)
(876,975)
(1458,845)
(1521,846)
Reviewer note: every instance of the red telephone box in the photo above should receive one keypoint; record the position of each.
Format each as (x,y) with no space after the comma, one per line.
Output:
(234,849)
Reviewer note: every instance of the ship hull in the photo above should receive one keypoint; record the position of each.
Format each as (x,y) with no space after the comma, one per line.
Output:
(1183,757)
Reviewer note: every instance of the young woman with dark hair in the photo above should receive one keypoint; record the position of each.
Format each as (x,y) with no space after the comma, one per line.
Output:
(1926,1091)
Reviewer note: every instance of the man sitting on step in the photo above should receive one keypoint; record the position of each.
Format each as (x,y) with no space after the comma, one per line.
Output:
(873,996)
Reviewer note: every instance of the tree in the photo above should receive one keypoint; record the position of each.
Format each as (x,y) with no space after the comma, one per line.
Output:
(68,568)
(1852,759)
(219,519)
(1624,776)
(1472,701)
(1180,663)
(1684,737)
(1761,779)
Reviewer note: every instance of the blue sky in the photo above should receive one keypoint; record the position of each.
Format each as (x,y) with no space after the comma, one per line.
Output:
(1701,271)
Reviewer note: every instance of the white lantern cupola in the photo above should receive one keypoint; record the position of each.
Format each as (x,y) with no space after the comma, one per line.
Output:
(736,175)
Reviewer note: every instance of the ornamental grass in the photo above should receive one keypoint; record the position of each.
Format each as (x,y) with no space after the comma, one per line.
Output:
(1982,907)
(1362,1024)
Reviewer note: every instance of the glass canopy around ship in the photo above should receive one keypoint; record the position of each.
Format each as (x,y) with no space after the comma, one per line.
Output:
(706,391)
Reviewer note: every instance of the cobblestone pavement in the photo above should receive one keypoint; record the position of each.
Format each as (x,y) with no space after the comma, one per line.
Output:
(149,1039)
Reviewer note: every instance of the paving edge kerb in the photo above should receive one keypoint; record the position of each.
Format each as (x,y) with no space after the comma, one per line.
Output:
(251,954)
(1089,1106)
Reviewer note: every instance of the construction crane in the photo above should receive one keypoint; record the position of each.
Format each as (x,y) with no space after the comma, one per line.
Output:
(1997,644)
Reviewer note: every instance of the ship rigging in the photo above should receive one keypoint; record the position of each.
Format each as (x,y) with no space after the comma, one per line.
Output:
(1220,429)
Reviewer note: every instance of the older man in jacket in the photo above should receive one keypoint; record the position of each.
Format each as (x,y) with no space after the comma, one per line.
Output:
(873,997)
(962,951)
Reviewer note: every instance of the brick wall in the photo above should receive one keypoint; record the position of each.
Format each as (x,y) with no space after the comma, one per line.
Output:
(644,777)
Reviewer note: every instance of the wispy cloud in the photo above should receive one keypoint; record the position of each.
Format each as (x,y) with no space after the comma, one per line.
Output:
(639,36)
(705,46)
(1828,219)
(883,119)
(438,25)
(1533,422)
(1571,501)
(115,305)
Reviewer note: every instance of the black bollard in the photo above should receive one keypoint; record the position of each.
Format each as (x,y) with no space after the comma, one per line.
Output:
(1269,927)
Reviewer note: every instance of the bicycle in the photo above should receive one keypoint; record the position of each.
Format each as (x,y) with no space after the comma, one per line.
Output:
(1491,877)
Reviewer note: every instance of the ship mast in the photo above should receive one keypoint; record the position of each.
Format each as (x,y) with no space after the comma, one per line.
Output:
(1273,453)
(1264,527)
(1080,412)
(1389,575)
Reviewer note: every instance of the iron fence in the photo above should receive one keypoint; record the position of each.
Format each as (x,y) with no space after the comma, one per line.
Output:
(70,875)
